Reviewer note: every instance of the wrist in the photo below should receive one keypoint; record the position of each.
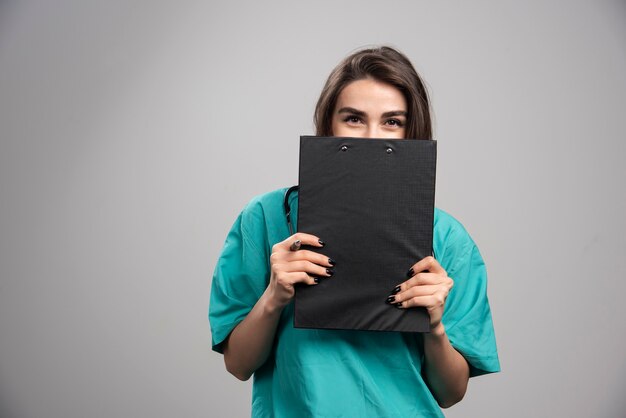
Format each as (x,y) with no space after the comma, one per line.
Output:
(270,305)
(438,332)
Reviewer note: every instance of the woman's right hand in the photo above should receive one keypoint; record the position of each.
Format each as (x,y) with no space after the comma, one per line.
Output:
(291,265)
(249,344)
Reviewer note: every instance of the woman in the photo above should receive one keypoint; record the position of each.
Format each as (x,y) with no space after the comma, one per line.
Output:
(373,93)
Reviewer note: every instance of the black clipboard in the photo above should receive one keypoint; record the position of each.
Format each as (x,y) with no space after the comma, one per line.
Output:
(372,202)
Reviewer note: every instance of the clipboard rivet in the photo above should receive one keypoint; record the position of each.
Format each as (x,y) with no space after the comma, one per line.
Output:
(389,150)
(344,148)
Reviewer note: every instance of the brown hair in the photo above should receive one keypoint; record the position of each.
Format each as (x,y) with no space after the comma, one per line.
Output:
(386,65)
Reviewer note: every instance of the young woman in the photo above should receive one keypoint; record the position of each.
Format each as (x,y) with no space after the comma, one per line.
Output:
(373,93)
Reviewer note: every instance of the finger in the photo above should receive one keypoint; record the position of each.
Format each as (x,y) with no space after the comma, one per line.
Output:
(438,299)
(305,239)
(311,256)
(426,264)
(424,290)
(420,279)
(289,279)
(307,267)
(280,258)
(302,277)
(415,291)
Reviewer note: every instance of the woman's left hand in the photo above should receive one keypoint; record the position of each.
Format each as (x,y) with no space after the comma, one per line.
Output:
(428,287)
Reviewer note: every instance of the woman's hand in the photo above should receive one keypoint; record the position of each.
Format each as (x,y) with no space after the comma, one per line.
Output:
(445,370)
(428,287)
(291,265)
(249,344)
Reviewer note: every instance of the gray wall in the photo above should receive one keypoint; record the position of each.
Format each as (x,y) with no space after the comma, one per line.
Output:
(132,133)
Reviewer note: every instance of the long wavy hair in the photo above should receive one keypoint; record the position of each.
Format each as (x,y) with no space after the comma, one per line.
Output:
(382,64)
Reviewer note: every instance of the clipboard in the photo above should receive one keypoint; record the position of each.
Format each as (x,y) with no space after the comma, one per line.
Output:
(372,202)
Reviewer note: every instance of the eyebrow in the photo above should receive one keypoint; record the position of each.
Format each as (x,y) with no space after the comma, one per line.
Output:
(362,113)
(351,110)
(395,113)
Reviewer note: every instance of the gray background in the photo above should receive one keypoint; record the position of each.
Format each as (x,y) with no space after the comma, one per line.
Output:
(132,134)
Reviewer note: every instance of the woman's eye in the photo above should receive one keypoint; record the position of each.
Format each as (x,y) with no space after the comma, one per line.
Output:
(394,122)
(352,119)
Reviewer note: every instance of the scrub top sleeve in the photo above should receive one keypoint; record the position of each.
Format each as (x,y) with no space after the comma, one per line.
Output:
(467,316)
(241,275)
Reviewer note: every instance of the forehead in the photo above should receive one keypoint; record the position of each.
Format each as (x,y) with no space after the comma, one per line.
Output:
(370,94)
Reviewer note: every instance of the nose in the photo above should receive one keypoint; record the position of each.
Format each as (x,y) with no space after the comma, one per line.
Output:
(372,131)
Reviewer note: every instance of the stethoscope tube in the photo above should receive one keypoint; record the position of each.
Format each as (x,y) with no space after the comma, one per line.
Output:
(288,208)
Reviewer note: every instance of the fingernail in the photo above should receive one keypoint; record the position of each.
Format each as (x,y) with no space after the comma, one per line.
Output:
(330,272)
(399,304)
(410,272)
(296,245)
(322,243)
(316,279)
(395,290)
(331,262)
(391,299)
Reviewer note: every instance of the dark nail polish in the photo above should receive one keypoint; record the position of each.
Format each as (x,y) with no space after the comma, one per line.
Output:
(330,272)
(331,262)
(410,272)
(395,290)
(399,304)
(322,243)
(296,245)
(391,299)
(316,279)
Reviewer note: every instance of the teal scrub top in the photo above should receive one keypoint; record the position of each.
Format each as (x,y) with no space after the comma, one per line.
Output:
(336,373)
